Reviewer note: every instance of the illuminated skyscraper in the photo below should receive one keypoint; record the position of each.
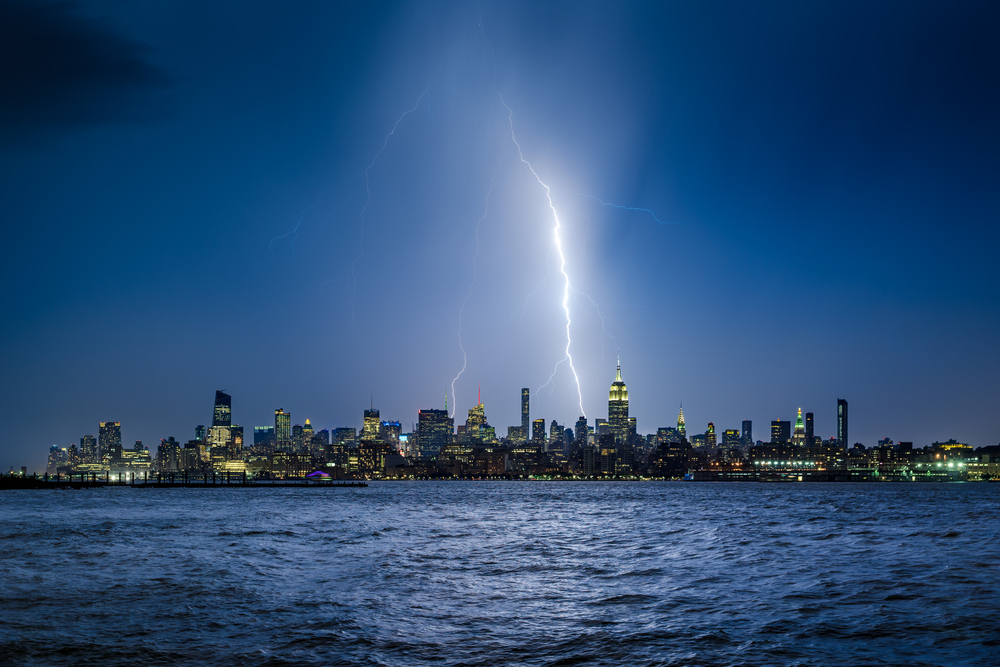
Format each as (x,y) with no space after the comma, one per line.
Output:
(618,407)
(282,431)
(199,432)
(109,436)
(538,430)
(681,428)
(369,431)
(799,435)
(88,449)
(710,439)
(434,431)
(747,436)
(581,430)
(223,414)
(810,430)
(842,424)
(525,413)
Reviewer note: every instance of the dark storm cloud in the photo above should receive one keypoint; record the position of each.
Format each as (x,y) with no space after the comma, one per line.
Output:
(60,69)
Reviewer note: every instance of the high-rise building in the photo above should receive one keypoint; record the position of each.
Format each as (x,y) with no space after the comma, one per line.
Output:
(88,449)
(434,431)
(730,438)
(525,412)
(307,435)
(747,436)
(262,435)
(538,430)
(681,428)
(282,431)
(810,430)
(369,432)
(555,436)
(199,432)
(391,432)
(109,436)
(799,435)
(710,439)
(842,436)
(618,407)
(581,430)
(781,431)
(223,413)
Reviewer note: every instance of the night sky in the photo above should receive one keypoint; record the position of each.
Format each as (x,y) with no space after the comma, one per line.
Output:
(201,196)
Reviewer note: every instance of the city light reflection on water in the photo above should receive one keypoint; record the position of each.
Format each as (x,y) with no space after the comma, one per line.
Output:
(503,573)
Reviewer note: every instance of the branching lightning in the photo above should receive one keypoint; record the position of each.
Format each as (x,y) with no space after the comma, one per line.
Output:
(557,238)
(368,198)
(294,232)
(625,208)
(475,275)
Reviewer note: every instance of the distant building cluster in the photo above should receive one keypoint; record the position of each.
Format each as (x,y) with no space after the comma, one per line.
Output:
(610,448)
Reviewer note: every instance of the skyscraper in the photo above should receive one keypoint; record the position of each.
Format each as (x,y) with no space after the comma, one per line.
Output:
(109,436)
(842,424)
(747,436)
(710,439)
(282,430)
(434,431)
(88,449)
(781,431)
(581,430)
(525,413)
(799,436)
(369,431)
(681,428)
(618,407)
(538,430)
(223,414)
(810,433)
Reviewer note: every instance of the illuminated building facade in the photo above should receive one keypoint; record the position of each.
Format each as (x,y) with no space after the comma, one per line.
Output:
(434,431)
(618,407)
(88,449)
(223,413)
(810,430)
(371,426)
(681,428)
(109,437)
(781,431)
(538,431)
(525,411)
(799,435)
(282,430)
(747,436)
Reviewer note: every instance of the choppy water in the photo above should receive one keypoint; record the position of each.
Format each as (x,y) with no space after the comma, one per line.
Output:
(503,574)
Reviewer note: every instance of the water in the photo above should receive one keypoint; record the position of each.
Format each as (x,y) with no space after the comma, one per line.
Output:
(503,573)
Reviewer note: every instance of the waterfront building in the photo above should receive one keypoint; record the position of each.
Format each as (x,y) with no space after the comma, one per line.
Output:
(618,407)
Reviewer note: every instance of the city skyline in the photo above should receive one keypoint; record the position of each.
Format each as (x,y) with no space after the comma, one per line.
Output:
(762,208)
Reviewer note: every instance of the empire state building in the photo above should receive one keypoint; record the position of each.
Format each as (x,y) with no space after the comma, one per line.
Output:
(618,407)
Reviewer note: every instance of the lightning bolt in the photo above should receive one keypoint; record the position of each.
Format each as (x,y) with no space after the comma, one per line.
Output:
(557,238)
(625,208)
(368,198)
(475,275)
(294,232)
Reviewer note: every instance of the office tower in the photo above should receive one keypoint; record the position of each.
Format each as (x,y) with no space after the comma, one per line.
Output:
(799,435)
(555,436)
(475,425)
(810,432)
(263,435)
(731,438)
(618,407)
(282,431)
(525,414)
(581,430)
(109,436)
(842,436)
(372,423)
(434,431)
(199,432)
(538,430)
(345,434)
(88,449)
(710,439)
(168,455)
(781,431)
(307,436)
(681,429)
(391,432)
(747,436)
(223,414)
